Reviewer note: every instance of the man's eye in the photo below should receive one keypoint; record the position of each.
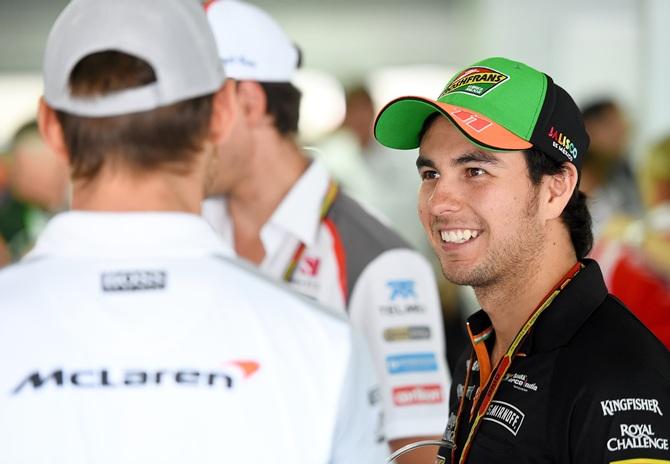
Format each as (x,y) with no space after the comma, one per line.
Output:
(428,174)
(475,172)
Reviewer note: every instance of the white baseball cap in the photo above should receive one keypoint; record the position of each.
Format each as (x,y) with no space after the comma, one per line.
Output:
(251,43)
(171,35)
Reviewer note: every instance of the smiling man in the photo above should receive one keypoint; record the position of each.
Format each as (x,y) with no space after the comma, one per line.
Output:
(559,370)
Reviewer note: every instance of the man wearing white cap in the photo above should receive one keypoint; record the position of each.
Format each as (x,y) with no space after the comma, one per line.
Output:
(285,215)
(129,335)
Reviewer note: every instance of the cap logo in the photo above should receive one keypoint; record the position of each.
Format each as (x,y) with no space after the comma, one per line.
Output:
(563,144)
(475,81)
(474,121)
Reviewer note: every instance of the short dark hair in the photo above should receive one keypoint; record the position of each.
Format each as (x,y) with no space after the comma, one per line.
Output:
(283,104)
(596,108)
(167,137)
(576,215)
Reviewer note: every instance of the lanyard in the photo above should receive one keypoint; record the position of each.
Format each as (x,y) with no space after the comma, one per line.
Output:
(496,378)
(326,205)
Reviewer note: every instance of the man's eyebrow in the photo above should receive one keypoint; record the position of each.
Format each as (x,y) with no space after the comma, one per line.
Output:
(477,157)
(422,161)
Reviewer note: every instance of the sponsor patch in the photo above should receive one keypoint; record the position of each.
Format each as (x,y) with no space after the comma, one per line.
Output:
(520,382)
(414,332)
(472,120)
(475,81)
(563,144)
(129,281)
(310,266)
(401,309)
(401,289)
(415,362)
(636,436)
(611,407)
(468,393)
(411,395)
(505,414)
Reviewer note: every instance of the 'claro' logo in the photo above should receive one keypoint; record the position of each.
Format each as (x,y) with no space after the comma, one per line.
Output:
(227,378)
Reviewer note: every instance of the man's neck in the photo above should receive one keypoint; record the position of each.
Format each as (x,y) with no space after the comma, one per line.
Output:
(278,164)
(510,303)
(122,190)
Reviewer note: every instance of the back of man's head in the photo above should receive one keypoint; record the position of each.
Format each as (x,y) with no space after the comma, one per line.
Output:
(131,82)
(253,47)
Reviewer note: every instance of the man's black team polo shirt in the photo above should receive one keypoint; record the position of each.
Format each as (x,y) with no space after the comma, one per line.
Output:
(590,384)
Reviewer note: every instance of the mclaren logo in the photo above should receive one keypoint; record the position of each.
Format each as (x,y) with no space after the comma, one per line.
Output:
(227,378)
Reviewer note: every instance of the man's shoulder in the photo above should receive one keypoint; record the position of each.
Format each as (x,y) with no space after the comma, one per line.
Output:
(365,239)
(255,285)
(361,226)
(614,346)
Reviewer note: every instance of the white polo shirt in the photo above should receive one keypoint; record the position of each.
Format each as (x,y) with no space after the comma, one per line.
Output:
(134,338)
(358,266)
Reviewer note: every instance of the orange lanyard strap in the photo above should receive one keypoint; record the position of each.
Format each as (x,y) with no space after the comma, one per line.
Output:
(495,380)
(326,206)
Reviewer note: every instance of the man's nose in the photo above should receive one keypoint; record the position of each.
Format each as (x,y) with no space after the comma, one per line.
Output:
(445,198)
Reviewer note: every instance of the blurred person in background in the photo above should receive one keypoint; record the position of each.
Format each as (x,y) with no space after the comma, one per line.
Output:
(558,370)
(635,257)
(283,212)
(607,176)
(378,178)
(129,333)
(37,182)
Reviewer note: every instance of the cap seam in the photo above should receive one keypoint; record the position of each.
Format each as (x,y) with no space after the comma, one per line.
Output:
(538,110)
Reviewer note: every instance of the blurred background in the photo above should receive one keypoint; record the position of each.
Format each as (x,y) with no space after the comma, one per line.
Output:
(611,55)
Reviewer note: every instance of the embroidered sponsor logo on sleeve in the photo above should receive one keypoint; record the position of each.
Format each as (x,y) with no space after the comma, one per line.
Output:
(411,395)
(138,280)
(415,362)
(612,407)
(401,289)
(505,414)
(415,332)
(637,436)
(402,299)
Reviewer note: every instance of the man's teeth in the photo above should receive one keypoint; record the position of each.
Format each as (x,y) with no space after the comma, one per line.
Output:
(458,236)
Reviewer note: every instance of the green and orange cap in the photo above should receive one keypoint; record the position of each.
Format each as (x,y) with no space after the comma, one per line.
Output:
(500,105)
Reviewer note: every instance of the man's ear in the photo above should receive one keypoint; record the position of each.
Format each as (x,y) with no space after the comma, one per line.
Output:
(253,101)
(51,130)
(224,112)
(559,188)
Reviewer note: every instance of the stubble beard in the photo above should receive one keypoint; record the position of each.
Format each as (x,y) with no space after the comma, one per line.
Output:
(510,258)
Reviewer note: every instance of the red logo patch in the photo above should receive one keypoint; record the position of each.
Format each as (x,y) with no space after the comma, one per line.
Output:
(310,266)
(417,394)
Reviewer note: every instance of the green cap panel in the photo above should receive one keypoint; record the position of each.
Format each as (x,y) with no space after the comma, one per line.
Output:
(508,92)
(400,123)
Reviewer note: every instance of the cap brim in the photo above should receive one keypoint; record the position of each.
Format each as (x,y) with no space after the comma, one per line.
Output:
(399,125)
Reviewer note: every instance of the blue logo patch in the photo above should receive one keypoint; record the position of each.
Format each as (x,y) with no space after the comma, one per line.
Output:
(417,362)
(401,289)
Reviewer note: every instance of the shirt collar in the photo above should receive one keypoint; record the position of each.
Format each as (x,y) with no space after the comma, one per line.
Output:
(570,309)
(299,213)
(562,319)
(113,235)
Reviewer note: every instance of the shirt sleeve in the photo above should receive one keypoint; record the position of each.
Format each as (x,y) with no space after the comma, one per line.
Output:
(625,421)
(358,433)
(395,304)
